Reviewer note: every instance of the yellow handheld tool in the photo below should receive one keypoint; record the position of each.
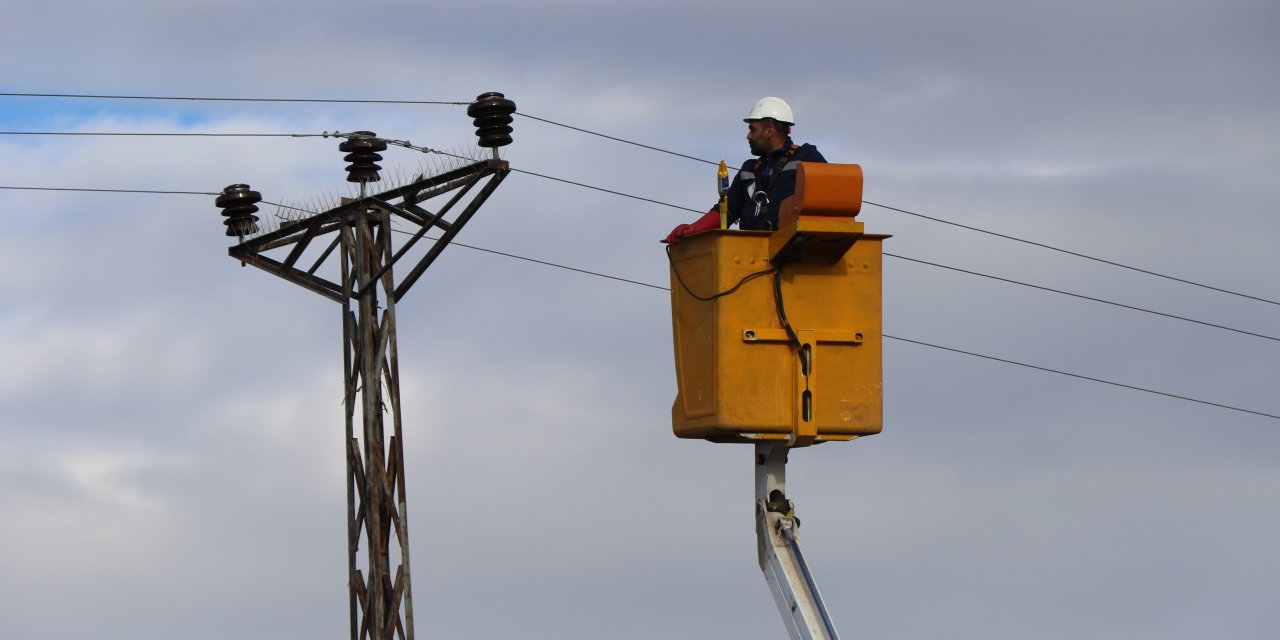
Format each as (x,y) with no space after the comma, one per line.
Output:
(722,185)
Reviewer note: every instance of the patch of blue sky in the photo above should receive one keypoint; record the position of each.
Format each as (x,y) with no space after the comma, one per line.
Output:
(21,113)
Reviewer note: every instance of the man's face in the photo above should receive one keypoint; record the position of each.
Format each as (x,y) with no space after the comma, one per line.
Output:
(758,136)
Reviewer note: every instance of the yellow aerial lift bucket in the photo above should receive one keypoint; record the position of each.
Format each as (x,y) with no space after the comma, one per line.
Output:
(777,335)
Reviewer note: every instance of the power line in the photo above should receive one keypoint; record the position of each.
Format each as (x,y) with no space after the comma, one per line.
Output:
(615,139)
(674,206)
(219,99)
(545,263)
(1072,253)
(949,222)
(188,193)
(653,286)
(951,349)
(891,255)
(1083,297)
(667,151)
(174,134)
(402,143)
(1066,293)
(616,193)
(180,134)
(1084,377)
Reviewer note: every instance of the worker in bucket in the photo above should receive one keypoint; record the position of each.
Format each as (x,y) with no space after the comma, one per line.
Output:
(763,182)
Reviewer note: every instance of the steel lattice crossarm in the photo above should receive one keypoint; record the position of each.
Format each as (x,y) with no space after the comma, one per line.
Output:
(403,204)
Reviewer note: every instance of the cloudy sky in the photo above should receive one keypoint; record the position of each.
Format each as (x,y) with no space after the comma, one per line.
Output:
(171,440)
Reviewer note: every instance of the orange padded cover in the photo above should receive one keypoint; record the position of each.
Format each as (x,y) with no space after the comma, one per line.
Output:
(823,190)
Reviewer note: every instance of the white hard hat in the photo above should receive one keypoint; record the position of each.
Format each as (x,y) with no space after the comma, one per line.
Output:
(772,108)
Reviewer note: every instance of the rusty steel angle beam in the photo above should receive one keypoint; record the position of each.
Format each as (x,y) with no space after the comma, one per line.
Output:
(494,180)
(428,219)
(286,232)
(438,217)
(302,243)
(396,210)
(337,239)
(384,336)
(301,278)
(397,592)
(357,470)
(393,464)
(355,518)
(366,603)
(435,185)
(392,385)
(326,227)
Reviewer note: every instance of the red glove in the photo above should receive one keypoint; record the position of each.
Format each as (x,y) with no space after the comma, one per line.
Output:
(707,222)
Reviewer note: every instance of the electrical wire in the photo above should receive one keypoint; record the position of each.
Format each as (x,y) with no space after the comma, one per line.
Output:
(955,350)
(608,137)
(551,264)
(213,99)
(192,134)
(661,150)
(616,193)
(882,206)
(955,224)
(1072,253)
(164,134)
(404,143)
(887,254)
(653,286)
(1084,377)
(153,191)
(1084,297)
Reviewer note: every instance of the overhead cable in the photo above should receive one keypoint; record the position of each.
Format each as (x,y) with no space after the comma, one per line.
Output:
(403,143)
(224,99)
(1072,253)
(608,137)
(174,134)
(1083,297)
(682,155)
(653,286)
(1130,387)
(185,193)
(1084,377)
(949,222)
(545,263)
(674,206)
(616,193)
(195,134)
(887,254)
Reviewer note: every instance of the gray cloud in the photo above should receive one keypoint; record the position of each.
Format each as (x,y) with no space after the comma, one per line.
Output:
(173,429)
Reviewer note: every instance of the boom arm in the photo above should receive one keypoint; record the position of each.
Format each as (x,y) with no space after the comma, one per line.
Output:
(794,590)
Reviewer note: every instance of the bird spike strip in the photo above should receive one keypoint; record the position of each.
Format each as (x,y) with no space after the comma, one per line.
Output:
(397,177)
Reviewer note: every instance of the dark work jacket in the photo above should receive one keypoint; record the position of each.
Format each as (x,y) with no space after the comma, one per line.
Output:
(763,174)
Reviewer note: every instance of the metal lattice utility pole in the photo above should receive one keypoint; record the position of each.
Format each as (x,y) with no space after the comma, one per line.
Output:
(360,231)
